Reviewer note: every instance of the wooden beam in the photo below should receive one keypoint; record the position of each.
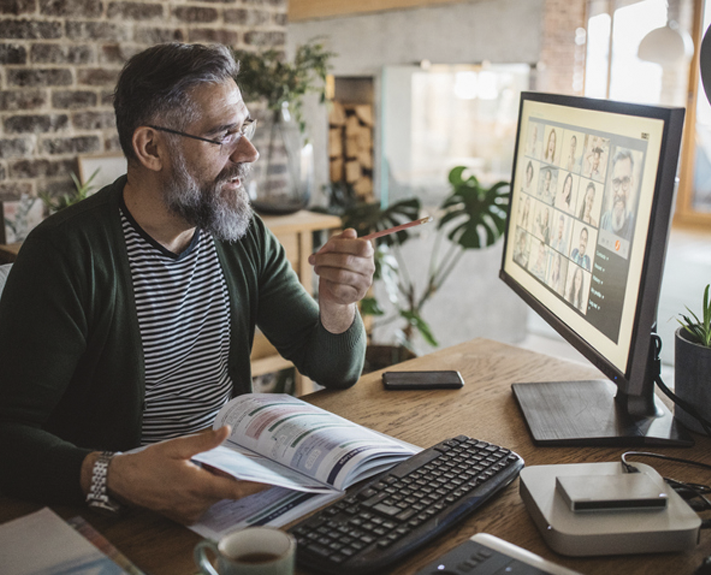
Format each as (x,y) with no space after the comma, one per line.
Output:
(300,10)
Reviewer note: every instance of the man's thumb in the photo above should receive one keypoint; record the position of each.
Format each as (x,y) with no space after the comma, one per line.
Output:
(186,447)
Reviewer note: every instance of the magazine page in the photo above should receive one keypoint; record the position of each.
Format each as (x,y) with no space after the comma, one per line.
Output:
(275,507)
(308,439)
(249,466)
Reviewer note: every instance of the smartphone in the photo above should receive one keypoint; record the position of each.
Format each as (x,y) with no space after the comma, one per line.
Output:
(441,379)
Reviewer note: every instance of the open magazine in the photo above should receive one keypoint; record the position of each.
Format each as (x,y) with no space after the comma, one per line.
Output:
(308,454)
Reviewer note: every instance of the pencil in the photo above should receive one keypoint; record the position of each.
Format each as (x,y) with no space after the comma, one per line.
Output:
(389,231)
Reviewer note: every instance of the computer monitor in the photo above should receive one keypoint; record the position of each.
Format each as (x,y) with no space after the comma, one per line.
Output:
(585,240)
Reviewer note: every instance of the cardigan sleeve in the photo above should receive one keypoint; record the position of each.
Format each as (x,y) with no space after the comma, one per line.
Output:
(42,335)
(70,362)
(289,316)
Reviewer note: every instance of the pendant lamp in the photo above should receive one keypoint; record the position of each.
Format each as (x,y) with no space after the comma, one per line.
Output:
(667,45)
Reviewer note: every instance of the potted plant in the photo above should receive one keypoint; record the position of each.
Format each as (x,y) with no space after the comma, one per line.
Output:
(692,367)
(81,191)
(472,216)
(281,180)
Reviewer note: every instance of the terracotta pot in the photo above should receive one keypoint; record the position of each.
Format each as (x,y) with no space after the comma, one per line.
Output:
(692,378)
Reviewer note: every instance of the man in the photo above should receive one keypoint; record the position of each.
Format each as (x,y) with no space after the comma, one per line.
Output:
(578,254)
(546,193)
(619,219)
(128,318)
(521,251)
(560,243)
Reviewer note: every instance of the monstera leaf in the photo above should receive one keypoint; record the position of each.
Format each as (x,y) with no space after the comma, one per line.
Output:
(476,215)
(471,217)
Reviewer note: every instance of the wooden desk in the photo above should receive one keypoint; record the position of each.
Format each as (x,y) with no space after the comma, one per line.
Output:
(484,408)
(8,252)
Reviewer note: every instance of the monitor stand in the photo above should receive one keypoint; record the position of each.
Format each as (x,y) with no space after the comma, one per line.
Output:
(580,413)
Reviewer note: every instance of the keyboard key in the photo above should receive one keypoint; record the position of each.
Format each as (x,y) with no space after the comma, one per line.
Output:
(404,508)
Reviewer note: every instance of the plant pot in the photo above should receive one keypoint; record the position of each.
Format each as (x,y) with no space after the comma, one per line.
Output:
(382,356)
(692,378)
(282,178)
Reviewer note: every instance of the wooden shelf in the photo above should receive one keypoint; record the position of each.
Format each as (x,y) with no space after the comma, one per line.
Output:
(8,252)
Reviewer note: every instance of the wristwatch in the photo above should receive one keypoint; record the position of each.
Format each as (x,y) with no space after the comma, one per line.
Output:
(98,496)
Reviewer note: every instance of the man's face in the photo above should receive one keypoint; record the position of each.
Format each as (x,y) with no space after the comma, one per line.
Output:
(621,185)
(205,182)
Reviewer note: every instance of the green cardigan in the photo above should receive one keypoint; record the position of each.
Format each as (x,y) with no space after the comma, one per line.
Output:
(71,362)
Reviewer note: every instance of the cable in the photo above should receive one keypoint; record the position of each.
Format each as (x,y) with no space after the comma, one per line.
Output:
(631,469)
(687,491)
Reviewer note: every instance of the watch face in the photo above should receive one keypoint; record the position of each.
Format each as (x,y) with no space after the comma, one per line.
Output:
(106,507)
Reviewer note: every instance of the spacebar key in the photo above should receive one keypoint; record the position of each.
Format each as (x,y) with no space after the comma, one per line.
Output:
(415,462)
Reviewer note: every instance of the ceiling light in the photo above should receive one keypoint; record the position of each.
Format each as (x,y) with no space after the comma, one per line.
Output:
(666,45)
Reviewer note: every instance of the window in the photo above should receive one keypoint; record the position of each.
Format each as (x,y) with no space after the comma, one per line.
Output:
(441,116)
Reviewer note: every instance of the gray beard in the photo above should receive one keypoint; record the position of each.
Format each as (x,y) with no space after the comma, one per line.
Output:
(618,219)
(226,216)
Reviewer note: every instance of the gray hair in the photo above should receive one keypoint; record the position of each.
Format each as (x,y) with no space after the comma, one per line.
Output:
(156,84)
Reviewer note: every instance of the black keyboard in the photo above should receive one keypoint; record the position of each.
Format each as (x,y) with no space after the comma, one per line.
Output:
(395,513)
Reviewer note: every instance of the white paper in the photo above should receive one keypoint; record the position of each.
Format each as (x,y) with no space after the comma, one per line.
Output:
(41,543)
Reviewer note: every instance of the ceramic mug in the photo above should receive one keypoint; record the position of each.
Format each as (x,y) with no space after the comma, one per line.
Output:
(251,551)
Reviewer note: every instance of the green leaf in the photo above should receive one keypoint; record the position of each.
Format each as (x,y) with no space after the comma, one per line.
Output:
(699,330)
(265,75)
(475,216)
(82,191)
(370,306)
(370,217)
(415,319)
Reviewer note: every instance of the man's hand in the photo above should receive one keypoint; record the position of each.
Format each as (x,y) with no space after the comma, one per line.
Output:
(345,267)
(162,478)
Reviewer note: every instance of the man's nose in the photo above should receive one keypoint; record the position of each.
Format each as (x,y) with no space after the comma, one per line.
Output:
(245,152)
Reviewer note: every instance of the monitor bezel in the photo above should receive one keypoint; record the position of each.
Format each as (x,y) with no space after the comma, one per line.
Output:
(635,384)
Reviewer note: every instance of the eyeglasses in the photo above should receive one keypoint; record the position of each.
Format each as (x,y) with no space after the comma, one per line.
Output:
(624,182)
(230,139)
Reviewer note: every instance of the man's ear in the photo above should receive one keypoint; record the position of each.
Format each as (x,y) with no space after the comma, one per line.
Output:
(147,147)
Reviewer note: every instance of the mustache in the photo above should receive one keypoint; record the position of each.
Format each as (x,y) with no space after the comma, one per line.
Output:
(231,172)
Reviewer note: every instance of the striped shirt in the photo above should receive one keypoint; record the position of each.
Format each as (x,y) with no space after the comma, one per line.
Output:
(183,316)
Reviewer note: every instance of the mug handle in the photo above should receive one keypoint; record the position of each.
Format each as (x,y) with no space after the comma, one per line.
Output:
(201,560)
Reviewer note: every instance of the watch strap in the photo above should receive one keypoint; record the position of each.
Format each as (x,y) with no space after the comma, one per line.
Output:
(98,497)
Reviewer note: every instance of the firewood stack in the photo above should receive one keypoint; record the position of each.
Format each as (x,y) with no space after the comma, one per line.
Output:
(351,147)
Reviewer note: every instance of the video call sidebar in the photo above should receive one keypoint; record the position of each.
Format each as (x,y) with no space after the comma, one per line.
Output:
(577,214)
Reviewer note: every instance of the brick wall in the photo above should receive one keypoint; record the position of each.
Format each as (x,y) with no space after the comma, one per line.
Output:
(59,61)
(562,58)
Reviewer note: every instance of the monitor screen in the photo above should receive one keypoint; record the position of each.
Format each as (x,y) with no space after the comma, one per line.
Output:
(589,213)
